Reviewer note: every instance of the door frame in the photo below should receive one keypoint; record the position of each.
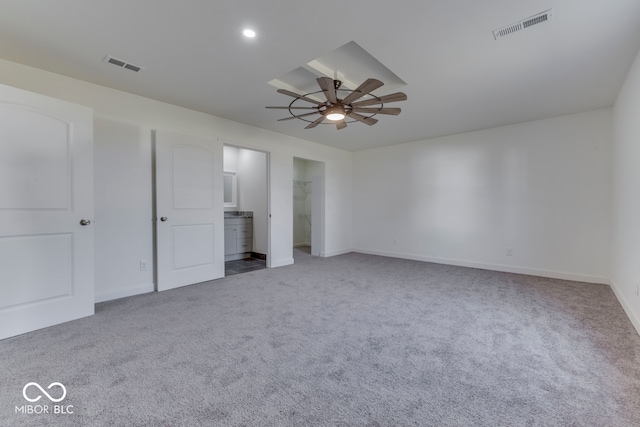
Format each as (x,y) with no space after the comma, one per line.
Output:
(244,146)
(320,224)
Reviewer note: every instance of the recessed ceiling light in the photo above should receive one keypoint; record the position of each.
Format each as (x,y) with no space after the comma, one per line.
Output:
(249,33)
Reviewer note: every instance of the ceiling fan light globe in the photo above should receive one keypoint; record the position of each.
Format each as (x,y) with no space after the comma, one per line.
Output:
(335,113)
(335,116)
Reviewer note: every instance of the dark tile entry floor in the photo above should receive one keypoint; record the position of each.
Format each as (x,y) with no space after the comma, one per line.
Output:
(243,266)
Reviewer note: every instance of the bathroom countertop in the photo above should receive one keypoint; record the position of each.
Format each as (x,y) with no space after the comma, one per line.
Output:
(238,214)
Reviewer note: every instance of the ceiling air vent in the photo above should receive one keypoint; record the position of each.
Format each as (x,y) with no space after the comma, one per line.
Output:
(123,64)
(547,15)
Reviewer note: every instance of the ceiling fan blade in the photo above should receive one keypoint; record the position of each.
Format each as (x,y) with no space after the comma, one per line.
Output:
(394,97)
(329,88)
(316,123)
(393,111)
(295,95)
(368,86)
(367,120)
(295,108)
(341,124)
(301,115)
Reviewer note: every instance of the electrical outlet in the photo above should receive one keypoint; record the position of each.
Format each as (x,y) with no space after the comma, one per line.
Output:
(638,290)
(509,252)
(143,265)
(395,241)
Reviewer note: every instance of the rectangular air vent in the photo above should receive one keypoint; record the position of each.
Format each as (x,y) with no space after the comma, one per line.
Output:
(123,64)
(547,15)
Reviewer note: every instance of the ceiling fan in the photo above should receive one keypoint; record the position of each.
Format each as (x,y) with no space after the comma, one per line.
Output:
(337,109)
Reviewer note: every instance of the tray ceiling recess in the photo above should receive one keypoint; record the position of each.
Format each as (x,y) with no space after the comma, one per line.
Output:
(347,78)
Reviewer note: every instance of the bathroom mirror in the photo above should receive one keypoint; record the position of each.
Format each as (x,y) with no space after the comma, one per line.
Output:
(230,190)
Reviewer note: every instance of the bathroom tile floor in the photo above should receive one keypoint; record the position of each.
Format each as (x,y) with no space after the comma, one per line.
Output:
(243,266)
(252,264)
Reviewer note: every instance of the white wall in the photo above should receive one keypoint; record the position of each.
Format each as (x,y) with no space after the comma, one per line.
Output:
(122,135)
(539,188)
(625,257)
(123,209)
(252,193)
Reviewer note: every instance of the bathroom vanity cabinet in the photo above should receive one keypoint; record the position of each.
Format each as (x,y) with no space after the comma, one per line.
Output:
(238,237)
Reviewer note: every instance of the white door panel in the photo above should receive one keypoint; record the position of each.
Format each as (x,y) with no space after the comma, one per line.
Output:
(34,176)
(190,239)
(193,245)
(192,177)
(52,253)
(46,188)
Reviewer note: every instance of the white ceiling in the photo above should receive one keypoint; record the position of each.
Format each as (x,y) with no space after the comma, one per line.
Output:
(458,78)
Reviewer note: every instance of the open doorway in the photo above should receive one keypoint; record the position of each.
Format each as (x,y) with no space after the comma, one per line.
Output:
(308,206)
(246,202)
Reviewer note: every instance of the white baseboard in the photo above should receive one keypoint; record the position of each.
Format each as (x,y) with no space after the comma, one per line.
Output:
(635,321)
(494,267)
(334,253)
(122,293)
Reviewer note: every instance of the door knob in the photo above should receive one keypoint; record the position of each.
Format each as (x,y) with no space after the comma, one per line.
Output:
(85,221)
(163,219)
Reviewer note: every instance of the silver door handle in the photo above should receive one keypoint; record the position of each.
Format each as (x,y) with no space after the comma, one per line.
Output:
(163,219)
(85,221)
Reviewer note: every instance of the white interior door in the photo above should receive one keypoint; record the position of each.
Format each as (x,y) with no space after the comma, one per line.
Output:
(46,191)
(189,210)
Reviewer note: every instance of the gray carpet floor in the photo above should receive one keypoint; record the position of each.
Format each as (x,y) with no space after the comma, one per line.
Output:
(352,340)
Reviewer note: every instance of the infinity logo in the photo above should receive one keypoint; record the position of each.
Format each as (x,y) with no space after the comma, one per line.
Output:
(64,392)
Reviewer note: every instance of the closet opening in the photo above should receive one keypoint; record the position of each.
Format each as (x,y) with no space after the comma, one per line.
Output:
(308,206)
